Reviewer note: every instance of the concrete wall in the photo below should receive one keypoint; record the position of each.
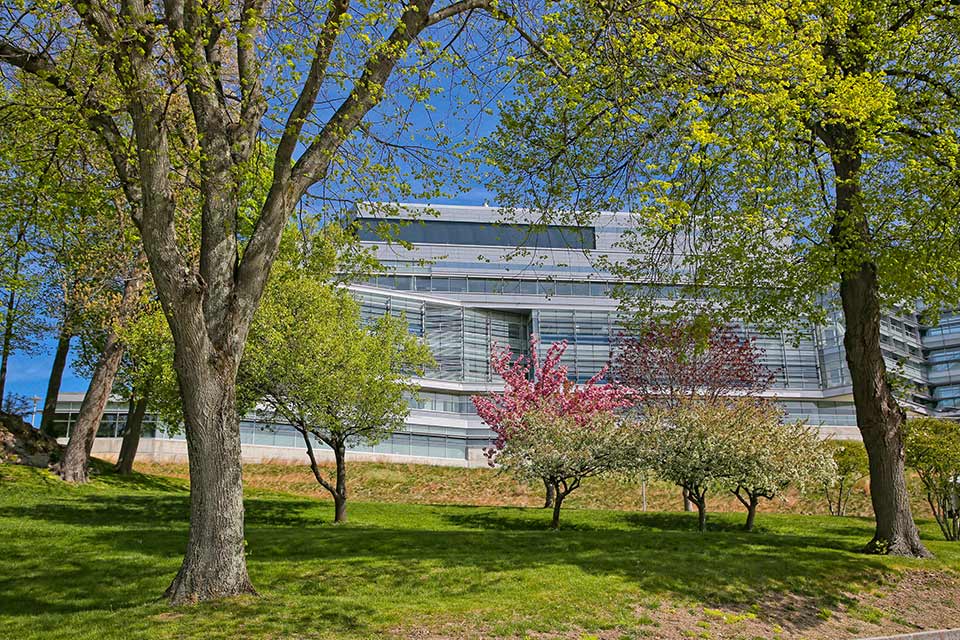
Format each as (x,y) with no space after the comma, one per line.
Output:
(160,450)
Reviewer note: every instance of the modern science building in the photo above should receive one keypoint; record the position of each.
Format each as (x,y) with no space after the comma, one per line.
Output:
(465,283)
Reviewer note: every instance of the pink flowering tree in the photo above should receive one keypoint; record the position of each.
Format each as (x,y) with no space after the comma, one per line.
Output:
(670,363)
(547,427)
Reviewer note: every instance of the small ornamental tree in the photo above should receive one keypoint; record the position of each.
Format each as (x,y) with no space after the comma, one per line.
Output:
(540,405)
(771,455)
(563,451)
(851,466)
(668,362)
(691,445)
(312,363)
(933,451)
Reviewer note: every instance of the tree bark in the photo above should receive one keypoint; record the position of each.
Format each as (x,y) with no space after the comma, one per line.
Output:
(557,503)
(76,457)
(8,321)
(340,495)
(751,513)
(214,564)
(687,503)
(879,417)
(131,435)
(56,378)
(549,495)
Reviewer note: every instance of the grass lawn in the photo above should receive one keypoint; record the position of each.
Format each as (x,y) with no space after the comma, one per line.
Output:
(92,561)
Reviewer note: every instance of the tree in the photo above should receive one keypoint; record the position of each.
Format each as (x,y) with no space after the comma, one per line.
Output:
(850,459)
(74,246)
(192,86)
(693,446)
(565,450)
(539,407)
(933,451)
(668,363)
(76,456)
(312,364)
(772,454)
(786,160)
(147,379)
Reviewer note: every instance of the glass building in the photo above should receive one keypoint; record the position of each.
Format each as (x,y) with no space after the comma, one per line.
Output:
(464,283)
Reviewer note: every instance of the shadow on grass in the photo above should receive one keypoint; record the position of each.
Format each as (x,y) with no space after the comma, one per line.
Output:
(661,553)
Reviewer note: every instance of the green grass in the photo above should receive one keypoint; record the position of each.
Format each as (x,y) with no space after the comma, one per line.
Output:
(92,562)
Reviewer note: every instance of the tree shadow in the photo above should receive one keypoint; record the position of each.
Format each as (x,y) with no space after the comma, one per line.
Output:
(124,547)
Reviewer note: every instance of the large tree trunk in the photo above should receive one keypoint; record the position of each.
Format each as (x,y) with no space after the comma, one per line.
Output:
(214,565)
(76,457)
(131,435)
(56,378)
(879,417)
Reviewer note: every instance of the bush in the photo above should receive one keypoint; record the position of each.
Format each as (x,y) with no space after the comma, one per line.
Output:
(852,466)
(933,451)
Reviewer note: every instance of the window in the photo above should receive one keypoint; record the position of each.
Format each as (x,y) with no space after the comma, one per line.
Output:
(477,233)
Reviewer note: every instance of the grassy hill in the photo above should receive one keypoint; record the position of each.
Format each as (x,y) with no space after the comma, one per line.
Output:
(423,484)
(92,562)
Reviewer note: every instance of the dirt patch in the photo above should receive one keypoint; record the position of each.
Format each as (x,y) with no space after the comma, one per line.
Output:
(22,444)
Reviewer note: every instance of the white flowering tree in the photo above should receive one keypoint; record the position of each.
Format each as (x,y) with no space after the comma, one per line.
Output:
(691,445)
(565,449)
(739,446)
(772,454)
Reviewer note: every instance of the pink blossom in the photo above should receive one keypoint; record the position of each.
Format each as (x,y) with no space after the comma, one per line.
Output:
(531,384)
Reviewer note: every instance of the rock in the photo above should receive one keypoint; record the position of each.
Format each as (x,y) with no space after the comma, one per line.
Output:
(22,444)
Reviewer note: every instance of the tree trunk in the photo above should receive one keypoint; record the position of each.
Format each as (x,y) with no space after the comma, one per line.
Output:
(214,565)
(701,516)
(751,513)
(76,457)
(548,498)
(56,378)
(340,495)
(687,503)
(879,417)
(8,319)
(131,435)
(557,503)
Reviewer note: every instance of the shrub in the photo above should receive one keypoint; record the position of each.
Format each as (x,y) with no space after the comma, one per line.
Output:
(852,465)
(933,451)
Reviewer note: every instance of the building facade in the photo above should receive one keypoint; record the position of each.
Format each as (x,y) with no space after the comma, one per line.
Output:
(465,283)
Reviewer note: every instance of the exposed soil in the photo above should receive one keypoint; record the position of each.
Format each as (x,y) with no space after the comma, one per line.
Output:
(915,600)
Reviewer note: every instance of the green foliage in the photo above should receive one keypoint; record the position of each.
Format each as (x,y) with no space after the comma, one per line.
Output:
(722,126)
(311,362)
(933,451)
(147,370)
(852,465)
